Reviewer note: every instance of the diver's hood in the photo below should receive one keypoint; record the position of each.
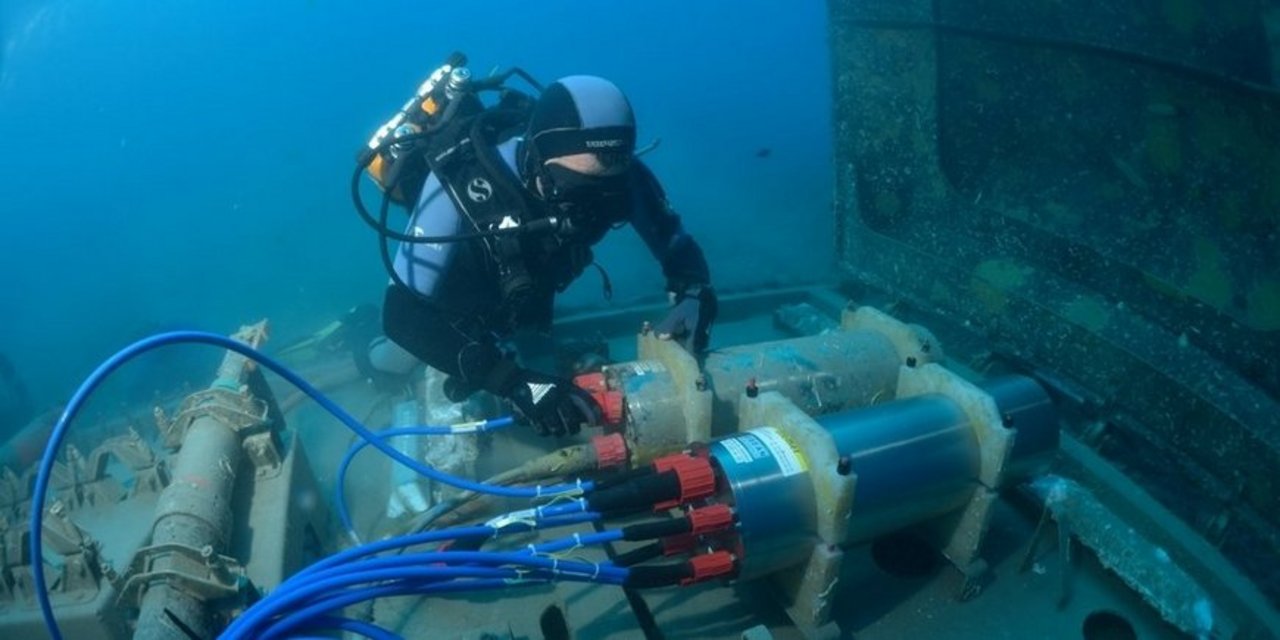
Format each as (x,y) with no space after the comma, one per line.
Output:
(581,114)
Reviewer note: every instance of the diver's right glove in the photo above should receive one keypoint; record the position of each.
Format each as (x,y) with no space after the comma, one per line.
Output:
(553,406)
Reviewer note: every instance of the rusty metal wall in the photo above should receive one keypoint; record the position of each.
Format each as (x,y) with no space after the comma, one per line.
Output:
(1094,191)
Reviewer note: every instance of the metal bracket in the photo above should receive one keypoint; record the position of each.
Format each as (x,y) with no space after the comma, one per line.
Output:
(200,572)
(61,535)
(79,569)
(264,453)
(240,412)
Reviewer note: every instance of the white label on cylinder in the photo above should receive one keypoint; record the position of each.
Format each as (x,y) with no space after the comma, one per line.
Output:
(789,460)
(736,450)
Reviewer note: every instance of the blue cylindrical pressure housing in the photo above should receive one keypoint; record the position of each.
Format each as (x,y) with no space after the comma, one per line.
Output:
(771,493)
(914,459)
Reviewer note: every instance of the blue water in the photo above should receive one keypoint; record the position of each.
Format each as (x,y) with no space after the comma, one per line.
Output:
(186,164)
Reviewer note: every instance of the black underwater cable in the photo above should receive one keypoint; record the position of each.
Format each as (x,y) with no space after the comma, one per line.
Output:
(639,607)
(495,82)
(643,553)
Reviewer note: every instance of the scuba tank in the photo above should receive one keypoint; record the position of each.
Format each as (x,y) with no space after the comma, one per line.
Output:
(397,171)
(446,129)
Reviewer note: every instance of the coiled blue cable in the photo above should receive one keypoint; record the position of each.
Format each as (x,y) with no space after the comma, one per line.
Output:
(91,383)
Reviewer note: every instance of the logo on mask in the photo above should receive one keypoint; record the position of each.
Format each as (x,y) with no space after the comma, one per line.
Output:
(479,190)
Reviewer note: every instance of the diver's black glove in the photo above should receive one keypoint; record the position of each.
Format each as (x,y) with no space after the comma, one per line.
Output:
(689,321)
(553,406)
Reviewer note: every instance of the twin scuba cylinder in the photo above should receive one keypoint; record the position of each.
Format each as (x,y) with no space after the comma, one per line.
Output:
(442,96)
(442,124)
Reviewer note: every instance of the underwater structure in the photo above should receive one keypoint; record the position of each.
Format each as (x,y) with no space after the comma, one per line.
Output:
(1039,400)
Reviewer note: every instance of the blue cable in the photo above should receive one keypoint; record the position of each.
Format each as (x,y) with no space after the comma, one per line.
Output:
(427,537)
(391,583)
(332,603)
(346,598)
(555,546)
(573,518)
(76,403)
(315,585)
(353,559)
(370,548)
(359,627)
(578,505)
(412,560)
(340,491)
(606,573)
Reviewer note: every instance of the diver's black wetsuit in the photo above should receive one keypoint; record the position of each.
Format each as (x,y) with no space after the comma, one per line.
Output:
(456,313)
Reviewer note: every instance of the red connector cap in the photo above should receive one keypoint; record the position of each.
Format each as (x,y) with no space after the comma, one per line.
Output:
(610,401)
(591,382)
(611,450)
(710,565)
(676,545)
(697,479)
(710,519)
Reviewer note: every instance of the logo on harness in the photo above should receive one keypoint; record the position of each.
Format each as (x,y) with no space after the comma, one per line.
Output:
(479,190)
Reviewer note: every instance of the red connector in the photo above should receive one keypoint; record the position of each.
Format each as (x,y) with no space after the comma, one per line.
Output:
(677,545)
(710,565)
(710,519)
(697,478)
(611,450)
(610,401)
(592,382)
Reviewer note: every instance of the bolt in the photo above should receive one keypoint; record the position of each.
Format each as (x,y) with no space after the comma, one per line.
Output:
(844,465)
(753,389)
(206,551)
(700,383)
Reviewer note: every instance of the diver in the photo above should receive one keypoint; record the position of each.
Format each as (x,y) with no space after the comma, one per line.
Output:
(569,175)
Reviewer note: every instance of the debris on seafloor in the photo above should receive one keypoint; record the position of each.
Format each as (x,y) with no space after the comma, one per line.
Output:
(1147,568)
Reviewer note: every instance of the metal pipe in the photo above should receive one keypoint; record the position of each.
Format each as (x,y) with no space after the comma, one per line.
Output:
(194,511)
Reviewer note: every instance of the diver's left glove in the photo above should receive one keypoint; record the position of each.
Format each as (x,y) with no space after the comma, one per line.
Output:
(689,321)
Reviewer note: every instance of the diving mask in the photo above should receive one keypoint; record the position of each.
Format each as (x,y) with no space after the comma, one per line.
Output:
(560,184)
